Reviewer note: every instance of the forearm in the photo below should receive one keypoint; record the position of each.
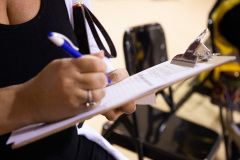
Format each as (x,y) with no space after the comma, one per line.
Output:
(56,93)
(14,114)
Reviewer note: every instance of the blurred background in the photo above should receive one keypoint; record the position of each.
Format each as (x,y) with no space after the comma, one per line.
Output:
(182,21)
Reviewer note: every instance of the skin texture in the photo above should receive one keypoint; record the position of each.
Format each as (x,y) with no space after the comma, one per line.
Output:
(59,91)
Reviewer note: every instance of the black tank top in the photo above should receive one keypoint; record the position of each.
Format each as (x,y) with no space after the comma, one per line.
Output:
(24,51)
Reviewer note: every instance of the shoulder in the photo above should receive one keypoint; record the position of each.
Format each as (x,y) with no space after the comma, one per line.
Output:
(3,12)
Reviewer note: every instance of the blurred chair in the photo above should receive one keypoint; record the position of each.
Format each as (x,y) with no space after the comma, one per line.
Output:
(150,131)
(222,84)
(225,33)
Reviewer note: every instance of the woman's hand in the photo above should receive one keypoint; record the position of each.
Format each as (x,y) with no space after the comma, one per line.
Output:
(116,76)
(59,91)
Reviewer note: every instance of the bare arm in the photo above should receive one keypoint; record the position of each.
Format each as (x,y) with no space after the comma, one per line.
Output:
(59,91)
(11,111)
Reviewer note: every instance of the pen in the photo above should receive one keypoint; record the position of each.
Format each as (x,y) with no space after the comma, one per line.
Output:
(64,43)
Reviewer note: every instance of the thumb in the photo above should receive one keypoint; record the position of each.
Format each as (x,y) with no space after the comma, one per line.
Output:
(99,54)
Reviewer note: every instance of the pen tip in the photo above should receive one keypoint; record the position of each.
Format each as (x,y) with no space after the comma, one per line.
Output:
(50,34)
(109,81)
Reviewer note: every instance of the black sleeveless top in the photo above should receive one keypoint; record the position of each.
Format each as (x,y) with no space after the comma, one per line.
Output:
(24,51)
(25,48)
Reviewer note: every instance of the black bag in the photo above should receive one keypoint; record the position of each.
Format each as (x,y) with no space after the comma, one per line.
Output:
(82,13)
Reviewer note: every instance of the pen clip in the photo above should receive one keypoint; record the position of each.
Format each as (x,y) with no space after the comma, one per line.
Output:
(58,35)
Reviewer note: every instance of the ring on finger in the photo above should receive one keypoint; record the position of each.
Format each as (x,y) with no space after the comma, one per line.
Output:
(90,102)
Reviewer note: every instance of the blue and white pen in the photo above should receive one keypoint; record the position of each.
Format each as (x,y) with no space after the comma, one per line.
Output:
(64,43)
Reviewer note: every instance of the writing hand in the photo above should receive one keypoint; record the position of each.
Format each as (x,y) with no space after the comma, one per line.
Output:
(59,91)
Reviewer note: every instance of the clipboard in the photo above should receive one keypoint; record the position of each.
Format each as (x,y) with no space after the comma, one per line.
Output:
(132,88)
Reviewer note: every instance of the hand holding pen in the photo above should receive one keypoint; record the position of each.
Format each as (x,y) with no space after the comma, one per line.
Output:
(116,75)
(64,43)
(62,89)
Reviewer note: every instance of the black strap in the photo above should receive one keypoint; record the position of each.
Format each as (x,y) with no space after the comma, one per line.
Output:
(80,30)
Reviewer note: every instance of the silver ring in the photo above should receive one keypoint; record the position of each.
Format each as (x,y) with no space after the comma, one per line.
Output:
(90,102)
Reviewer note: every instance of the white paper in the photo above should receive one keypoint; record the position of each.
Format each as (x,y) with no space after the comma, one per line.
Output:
(149,99)
(131,88)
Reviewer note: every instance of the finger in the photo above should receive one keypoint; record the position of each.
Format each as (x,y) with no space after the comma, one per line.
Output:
(89,63)
(118,75)
(128,108)
(97,95)
(113,114)
(92,81)
(79,97)
(99,54)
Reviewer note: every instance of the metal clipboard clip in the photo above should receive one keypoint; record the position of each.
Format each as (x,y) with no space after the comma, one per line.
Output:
(197,51)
